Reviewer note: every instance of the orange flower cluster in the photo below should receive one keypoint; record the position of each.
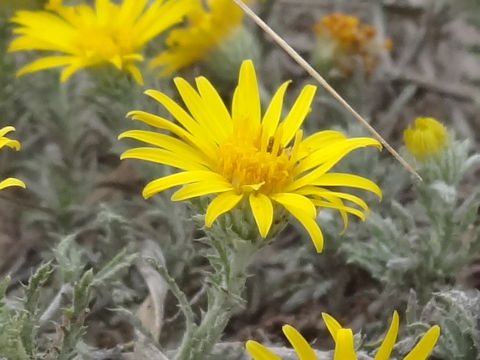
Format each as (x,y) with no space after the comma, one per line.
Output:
(352,38)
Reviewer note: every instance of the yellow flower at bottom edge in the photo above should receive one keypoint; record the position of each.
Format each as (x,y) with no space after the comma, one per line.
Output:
(107,33)
(206,29)
(426,138)
(243,154)
(14,144)
(344,346)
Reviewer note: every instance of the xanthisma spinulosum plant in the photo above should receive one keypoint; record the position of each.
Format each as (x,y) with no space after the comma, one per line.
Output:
(84,258)
(260,169)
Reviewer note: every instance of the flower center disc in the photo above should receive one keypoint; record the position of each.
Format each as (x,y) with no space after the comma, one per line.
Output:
(249,168)
(104,42)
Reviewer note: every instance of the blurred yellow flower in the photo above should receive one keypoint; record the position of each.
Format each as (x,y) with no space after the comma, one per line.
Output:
(107,33)
(351,38)
(205,30)
(344,346)
(341,27)
(244,155)
(14,144)
(426,138)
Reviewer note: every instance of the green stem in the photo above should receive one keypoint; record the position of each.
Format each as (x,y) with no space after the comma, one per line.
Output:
(226,285)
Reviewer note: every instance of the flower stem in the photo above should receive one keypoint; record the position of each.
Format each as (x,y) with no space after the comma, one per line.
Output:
(225,287)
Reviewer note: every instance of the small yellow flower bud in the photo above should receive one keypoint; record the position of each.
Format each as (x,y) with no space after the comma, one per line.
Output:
(426,138)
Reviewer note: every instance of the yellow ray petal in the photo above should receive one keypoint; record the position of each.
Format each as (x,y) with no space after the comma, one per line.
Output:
(161,123)
(199,134)
(322,192)
(297,114)
(189,123)
(32,26)
(202,114)
(296,201)
(135,72)
(45,63)
(350,180)
(13,144)
(246,99)
(213,101)
(425,345)
(201,188)
(167,142)
(130,10)
(326,158)
(180,178)
(388,342)
(158,17)
(301,346)
(5,130)
(221,204)
(333,326)
(259,352)
(322,139)
(162,156)
(334,204)
(262,210)
(302,211)
(11,182)
(337,204)
(344,345)
(274,111)
(68,71)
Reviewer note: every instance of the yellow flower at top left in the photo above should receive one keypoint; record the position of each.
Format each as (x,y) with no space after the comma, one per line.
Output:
(14,144)
(83,36)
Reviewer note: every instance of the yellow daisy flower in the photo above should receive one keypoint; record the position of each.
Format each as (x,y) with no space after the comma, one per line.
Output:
(206,29)
(14,144)
(108,33)
(344,347)
(426,138)
(243,154)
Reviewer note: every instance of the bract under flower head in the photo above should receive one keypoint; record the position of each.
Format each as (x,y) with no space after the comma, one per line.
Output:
(107,33)
(13,144)
(243,154)
(205,30)
(344,345)
(426,138)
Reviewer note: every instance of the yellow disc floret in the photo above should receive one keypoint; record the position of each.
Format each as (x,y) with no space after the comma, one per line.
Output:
(250,168)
